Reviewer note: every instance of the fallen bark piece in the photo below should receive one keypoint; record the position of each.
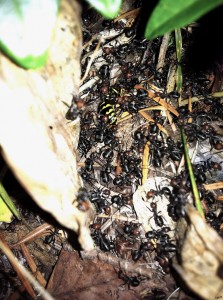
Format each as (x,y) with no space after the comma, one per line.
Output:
(37,141)
(76,278)
(201,256)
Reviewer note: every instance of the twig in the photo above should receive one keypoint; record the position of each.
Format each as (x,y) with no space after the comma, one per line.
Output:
(162,53)
(190,120)
(32,265)
(171,78)
(119,217)
(213,186)
(7,251)
(148,118)
(33,234)
(90,62)
(198,98)
(170,119)
(127,14)
(145,159)
(181,165)
(88,84)
(159,100)
(19,268)
(91,40)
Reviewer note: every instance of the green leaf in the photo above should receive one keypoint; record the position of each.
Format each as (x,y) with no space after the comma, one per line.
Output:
(171,14)
(7,207)
(108,8)
(26,29)
(5,212)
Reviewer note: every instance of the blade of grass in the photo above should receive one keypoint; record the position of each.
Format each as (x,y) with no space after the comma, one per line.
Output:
(192,178)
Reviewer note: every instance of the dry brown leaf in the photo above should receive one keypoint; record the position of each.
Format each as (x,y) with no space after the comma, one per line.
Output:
(201,256)
(37,141)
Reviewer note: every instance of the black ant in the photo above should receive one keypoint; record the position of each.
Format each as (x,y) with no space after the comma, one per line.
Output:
(209,165)
(98,198)
(157,294)
(87,176)
(160,192)
(144,247)
(131,281)
(102,240)
(75,108)
(157,218)
(51,238)
(132,229)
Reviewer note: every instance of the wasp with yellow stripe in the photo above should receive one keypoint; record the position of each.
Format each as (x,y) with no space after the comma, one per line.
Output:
(107,113)
(106,109)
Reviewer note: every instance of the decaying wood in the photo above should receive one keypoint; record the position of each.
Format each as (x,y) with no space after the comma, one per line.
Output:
(37,141)
(201,257)
(142,269)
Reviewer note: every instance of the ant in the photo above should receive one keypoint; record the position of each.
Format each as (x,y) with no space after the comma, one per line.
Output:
(101,239)
(157,218)
(207,197)
(131,281)
(74,110)
(83,199)
(84,145)
(151,234)
(51,238)
(144,247)
(209,165)
(132,229)
(163,191)
(157,294)
(98,197)
(86,176)
(120,201)
(164,243)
